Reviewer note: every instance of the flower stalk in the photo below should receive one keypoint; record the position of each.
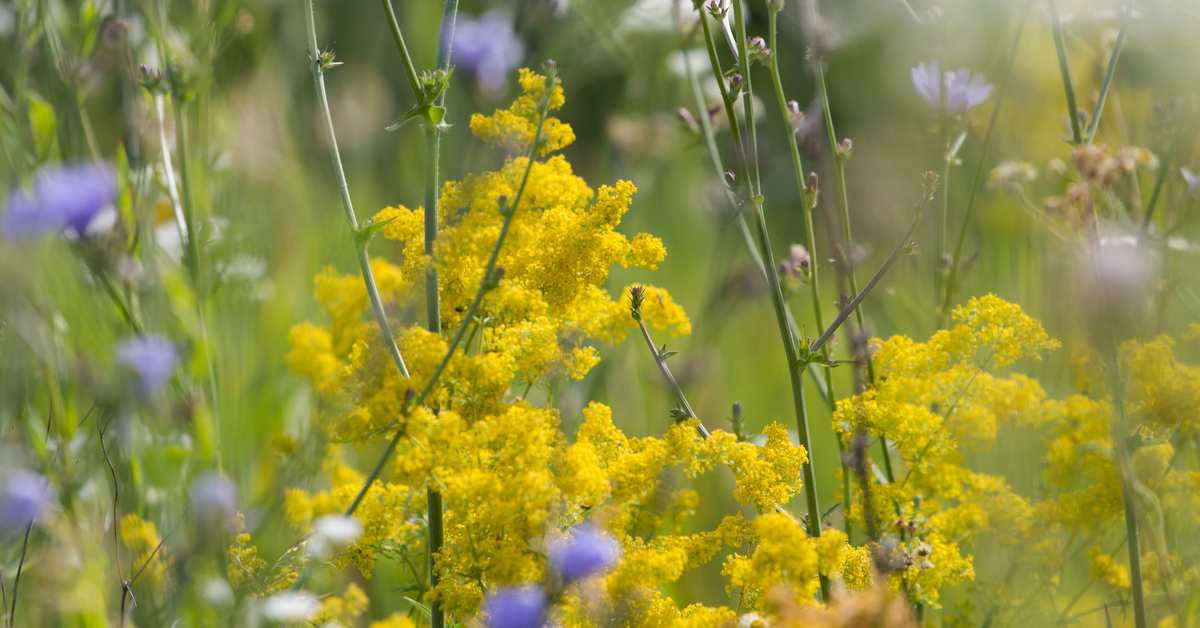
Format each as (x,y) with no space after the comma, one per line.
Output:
(1001,90)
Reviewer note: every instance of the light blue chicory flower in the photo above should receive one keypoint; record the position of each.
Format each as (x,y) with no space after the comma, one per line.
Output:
(63,199)
(585,553)
(516,607)
(963,90)
(24,497)
(487,49)
(152,357)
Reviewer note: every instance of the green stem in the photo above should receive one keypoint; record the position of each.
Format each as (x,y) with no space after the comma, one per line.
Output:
(1108,75)
(409,70)
(344,190)
(845,313)
(1159,180)
(810,235)
(839,169)
(1064,66)
(432,296)
(795,369)
(1127,480)
(951,281)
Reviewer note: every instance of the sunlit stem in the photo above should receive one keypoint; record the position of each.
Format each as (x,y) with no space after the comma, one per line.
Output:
(795,368)
(810,235)
(1001,91)
(344,190)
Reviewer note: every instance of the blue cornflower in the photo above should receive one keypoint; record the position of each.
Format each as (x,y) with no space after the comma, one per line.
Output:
(516,607)
(63,198)
(152,357)
(585,553)
(24,498)
(487,49)
(963,90)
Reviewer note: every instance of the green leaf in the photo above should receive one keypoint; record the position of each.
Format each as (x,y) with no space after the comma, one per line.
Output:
(431,113)
(41,119)
(667,354)
(421,607)
(368,231)
(830,511)
(680,414)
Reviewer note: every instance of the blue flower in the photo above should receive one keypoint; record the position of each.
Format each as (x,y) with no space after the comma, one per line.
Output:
(516,607)
(963,90)
(152,357)
(585,553)
(24,498)
(214,498)
(487,49)
(63,199)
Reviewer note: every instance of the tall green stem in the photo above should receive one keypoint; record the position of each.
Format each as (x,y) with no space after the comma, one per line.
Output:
(364,264)
(795,367)
(955,261)
(432,296)
(807,206)
(1064,67)
(1127,479)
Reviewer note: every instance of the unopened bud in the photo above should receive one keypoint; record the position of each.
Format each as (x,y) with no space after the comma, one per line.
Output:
(731,179)
(687,118)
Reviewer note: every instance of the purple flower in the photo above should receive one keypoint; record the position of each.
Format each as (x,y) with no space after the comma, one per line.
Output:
(24,498)
(487,49)
(516,607)
(214,498)
(151,357)
(585,553)
(63,198)
(963,90)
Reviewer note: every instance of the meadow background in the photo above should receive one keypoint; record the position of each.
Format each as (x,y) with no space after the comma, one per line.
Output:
(265,191)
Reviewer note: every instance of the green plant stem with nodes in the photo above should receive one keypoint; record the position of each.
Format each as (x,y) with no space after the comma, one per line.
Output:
(839,157)
(710,144)
(1108,76)
(1127,480)
(977,181)
(808,203)
(432,294)
(1064,66)
(795,369)
(318,72)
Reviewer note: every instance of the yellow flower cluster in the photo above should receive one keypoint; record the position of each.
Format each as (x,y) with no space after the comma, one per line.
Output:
(936,401)
(517,124)
(930,402)
(141,537)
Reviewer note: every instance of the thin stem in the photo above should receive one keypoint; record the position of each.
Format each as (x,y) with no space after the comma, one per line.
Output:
(488,282)
(1108,75)
(1159,180)
(344,189)
(119,301)
(12,614)
(168,169)
(807,206)
(845,313)
(409,70)
(1064,66)
(951,281)
(795,369)
(1127,480)
(839,169)
(433,314)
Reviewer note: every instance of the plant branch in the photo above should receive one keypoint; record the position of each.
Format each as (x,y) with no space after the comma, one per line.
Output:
(951,281)
(1064,66)
(1108,75)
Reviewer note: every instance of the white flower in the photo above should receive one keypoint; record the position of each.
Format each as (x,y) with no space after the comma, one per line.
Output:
(333,531)
(291,606)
